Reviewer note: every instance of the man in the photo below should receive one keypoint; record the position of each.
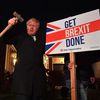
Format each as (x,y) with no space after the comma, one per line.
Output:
(29,80)
(85,77)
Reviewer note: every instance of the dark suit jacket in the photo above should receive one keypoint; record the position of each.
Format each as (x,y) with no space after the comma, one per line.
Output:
(29,74)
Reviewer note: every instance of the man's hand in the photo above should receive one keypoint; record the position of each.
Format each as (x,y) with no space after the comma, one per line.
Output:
(92,79)
(70,65)
(13,21)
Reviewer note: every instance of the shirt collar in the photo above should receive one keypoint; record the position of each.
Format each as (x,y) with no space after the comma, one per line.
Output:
(34,38)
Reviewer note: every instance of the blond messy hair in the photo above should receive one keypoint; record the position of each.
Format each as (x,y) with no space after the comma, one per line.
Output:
(32,20)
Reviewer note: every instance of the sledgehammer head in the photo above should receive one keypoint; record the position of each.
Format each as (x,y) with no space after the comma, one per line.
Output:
(18,16)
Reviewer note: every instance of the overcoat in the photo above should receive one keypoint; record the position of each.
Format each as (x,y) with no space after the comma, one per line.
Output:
(29,75)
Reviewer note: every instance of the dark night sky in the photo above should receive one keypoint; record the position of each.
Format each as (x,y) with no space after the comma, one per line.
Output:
(46,11)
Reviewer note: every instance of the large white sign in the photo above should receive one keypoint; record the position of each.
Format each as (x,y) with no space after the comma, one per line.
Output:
(74,34)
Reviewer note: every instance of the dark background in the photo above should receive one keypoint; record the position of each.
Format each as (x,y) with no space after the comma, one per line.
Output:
(47,11)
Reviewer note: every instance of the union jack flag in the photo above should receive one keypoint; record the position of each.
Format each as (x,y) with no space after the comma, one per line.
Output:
(53,33)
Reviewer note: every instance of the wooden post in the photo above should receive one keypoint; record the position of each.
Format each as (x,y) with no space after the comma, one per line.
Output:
(73,77)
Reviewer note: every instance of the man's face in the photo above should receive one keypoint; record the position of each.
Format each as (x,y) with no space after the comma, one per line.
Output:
(32,27)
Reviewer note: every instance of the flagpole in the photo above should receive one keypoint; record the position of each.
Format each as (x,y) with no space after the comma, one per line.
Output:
(73,77)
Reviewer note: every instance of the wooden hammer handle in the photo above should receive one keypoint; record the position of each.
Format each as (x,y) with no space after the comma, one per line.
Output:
(18,18)
(6,29)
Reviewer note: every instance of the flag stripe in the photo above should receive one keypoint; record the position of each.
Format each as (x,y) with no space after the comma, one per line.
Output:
(52,48)
(52,26)
(59,35)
